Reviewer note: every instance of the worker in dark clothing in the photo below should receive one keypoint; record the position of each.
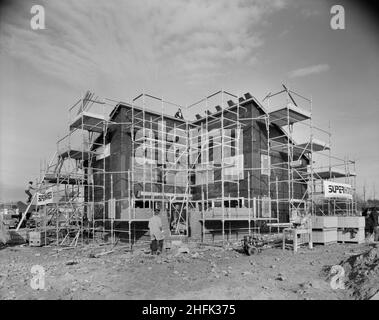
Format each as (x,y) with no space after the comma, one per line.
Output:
(369,229)
(29,187)
(179,114)
(375,222)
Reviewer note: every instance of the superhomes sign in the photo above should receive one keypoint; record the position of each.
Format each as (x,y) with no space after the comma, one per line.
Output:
(337,190)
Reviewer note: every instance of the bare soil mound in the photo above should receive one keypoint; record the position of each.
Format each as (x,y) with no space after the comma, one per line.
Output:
(362,273)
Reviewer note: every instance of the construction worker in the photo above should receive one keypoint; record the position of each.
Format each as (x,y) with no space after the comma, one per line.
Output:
(375,222)
(29,187)
(156,233)
(179,114)
(369,229)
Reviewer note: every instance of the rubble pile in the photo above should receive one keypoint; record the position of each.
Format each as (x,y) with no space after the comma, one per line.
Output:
(362,274)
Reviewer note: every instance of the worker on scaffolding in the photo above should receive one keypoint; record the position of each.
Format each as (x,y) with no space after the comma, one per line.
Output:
(156,233)
(179,114)
(29,187)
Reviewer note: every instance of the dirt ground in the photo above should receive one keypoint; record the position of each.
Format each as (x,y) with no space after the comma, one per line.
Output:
(205,272)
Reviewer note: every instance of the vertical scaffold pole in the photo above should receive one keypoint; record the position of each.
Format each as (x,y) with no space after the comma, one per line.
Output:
(112,210)
(222,169)
(130,211)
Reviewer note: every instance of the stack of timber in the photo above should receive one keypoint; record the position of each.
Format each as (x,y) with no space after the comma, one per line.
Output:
(17,237)
(351,229)
(324,229)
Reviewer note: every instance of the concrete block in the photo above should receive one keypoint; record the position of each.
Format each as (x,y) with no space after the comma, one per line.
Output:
(351,235)
(324,236)
(351,222)
(321,222)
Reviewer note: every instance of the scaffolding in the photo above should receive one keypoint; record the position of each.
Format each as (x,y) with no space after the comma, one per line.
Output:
(305,166)
(233,207)
(235,169)
(73,180)
(175,161)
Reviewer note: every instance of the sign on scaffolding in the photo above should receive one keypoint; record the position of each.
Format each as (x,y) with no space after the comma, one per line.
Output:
(45,197)
(337,190)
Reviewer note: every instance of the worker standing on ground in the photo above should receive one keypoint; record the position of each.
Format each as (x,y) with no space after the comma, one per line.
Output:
(369,229)
(156,233)
(375,221)
(29,187)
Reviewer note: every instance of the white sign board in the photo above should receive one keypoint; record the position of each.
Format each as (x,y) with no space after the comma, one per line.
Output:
(337,190)
(45,197)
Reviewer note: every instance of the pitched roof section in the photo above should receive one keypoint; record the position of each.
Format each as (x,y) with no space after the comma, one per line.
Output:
(247,98)
(231,104)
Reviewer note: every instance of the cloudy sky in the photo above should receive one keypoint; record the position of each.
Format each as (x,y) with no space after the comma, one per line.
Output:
(183,50)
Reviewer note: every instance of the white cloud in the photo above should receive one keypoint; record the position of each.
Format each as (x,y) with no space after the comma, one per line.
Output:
(315,69)
(309,12)
(86,39)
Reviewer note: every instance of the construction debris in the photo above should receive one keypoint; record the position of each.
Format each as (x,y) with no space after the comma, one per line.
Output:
(195,255)
(280,277)
(137,268)
(181,250)
(98,255)
(362,274)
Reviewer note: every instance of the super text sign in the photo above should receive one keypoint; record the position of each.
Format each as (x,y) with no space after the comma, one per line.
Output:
(337,190)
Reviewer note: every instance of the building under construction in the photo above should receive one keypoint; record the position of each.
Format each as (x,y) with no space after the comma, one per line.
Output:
(229,167)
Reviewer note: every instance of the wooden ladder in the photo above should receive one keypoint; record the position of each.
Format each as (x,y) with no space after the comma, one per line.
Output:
(35,193)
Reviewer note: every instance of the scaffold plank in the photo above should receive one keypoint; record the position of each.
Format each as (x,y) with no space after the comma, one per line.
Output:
(332,174)
(315,146)
(88,121)
(288,114)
